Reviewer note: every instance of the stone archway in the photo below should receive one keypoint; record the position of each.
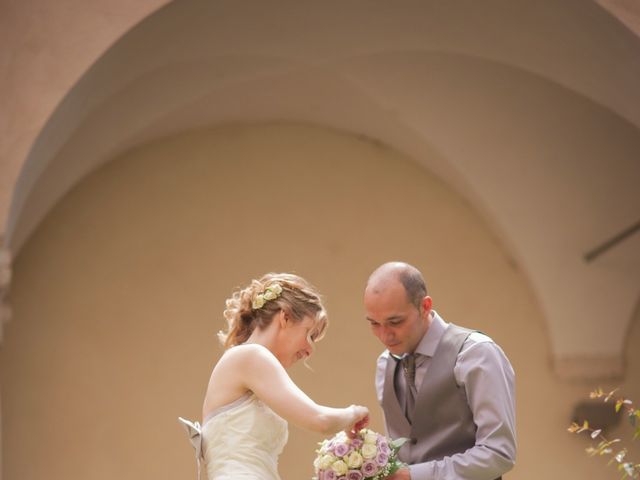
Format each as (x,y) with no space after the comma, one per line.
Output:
(356,81)
(410,91)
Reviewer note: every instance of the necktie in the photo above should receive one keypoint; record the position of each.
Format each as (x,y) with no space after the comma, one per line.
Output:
(409,368)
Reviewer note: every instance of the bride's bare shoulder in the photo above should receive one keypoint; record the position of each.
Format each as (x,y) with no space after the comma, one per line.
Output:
(247,352)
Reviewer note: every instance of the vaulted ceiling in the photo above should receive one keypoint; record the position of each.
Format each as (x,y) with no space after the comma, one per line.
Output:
(530,110)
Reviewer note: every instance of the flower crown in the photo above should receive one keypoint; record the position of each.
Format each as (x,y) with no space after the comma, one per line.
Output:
(270,293)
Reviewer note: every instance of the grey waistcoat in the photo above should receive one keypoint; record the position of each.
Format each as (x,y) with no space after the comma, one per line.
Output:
(442,421)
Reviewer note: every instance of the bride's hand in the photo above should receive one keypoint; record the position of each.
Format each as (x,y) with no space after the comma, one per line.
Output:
(362,420)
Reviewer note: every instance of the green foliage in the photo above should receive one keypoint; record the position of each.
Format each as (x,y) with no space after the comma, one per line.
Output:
(618,453)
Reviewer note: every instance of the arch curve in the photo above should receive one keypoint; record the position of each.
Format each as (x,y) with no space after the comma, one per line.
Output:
(390,88)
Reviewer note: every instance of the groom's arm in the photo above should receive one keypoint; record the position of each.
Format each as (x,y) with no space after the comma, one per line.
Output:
(485,373)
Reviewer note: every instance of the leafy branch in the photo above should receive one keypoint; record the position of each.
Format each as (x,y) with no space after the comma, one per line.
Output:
(610,447)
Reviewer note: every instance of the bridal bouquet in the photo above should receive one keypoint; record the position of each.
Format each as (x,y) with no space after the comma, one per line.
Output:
(368,456)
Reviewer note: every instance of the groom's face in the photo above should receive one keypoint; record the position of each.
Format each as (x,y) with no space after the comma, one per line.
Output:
(396,321)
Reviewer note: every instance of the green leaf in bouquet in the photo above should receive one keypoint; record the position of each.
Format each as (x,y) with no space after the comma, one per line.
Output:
(395,467)
(398,442)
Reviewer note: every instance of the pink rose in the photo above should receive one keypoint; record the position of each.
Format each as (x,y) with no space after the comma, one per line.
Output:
(384,447)
(369,468)
(382,459)
(357,442)
(341,449)
(329,475)
(354,475)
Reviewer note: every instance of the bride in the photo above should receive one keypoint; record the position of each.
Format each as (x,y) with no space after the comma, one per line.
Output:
(272,324)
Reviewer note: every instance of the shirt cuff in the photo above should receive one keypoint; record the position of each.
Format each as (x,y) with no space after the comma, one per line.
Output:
(422,471)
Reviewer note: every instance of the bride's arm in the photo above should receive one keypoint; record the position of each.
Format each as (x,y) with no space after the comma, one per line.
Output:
(263,374)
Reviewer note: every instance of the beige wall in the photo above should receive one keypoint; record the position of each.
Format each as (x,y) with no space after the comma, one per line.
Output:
(119,293)
(501,99)
(47,47)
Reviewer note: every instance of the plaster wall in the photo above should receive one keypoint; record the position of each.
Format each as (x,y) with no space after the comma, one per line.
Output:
(119,293)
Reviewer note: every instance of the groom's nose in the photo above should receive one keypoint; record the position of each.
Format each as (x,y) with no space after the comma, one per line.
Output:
(387,334)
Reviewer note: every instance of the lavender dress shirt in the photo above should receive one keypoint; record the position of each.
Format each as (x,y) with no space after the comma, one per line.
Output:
(485,373)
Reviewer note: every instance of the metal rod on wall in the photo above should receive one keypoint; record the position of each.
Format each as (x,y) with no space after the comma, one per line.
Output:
(599,250)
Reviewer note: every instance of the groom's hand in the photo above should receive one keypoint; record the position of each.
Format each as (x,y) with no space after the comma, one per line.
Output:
(402,474)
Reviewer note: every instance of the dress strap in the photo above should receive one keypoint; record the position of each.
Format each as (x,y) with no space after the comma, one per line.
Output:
(195,437)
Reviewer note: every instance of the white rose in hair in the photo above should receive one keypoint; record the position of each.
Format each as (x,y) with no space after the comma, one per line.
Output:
(258,302)
(270,295)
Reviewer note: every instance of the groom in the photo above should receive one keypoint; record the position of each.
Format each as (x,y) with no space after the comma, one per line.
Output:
(448,389)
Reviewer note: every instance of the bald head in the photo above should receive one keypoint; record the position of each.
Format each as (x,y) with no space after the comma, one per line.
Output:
(389,274)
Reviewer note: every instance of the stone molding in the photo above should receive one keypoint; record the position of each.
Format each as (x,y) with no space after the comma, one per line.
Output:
(596,368)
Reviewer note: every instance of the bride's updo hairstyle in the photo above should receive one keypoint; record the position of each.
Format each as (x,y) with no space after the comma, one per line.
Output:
(256,305)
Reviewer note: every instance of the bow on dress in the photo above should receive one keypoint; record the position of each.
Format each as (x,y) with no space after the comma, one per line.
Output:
(194,430)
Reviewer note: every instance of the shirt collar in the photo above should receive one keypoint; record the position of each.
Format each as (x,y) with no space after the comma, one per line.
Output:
(431,339)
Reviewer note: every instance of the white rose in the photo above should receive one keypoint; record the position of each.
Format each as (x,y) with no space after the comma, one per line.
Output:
(371,437)
(340,467)
(369,450)
(326,461)
(354,460)
(270,294)
(258,302)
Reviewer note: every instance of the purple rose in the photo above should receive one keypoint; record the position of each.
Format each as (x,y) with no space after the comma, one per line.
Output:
(369,468)
(354,475)
(341,449)
(329,475)
(384,447)
(382,459)
(357,442)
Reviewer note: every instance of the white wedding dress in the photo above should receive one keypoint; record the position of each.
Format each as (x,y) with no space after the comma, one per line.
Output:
(242,440)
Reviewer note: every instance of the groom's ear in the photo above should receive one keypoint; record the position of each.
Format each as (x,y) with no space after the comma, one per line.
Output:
(426,304)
